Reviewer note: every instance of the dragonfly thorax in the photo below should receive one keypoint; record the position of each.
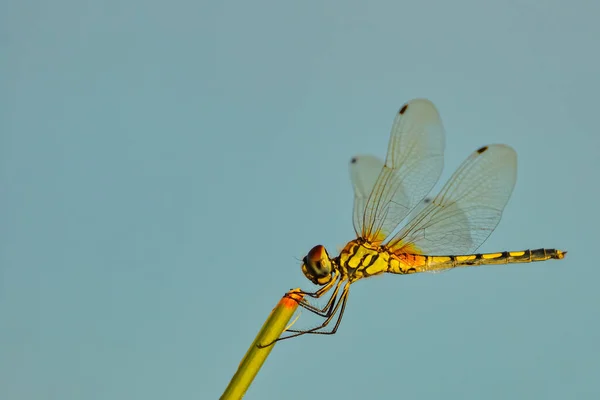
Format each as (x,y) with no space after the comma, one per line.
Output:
(317,266)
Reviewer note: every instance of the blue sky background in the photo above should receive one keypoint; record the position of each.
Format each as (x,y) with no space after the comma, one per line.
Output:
(163,165)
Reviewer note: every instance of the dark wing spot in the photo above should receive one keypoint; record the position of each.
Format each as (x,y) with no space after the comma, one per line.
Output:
(403,109)
(353,160)
(482,149)
(427,200)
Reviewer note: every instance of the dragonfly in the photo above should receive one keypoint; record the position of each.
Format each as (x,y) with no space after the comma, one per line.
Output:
(441,233)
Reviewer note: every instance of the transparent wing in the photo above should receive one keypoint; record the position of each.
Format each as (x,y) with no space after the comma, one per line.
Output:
(419,207)
(413,165)
(468,208)
(364,170)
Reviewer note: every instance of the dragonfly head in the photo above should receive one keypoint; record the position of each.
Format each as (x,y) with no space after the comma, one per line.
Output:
(317,266)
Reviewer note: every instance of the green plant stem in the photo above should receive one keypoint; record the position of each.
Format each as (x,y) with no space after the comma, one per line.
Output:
(256,356)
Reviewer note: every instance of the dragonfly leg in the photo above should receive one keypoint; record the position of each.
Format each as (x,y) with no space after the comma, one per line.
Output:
(325,311)
(342,302)
(315,330)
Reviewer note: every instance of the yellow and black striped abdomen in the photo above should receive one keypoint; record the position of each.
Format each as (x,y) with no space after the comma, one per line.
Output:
(411,263)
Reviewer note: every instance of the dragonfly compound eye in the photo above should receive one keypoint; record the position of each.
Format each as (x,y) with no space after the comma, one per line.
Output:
(317,266)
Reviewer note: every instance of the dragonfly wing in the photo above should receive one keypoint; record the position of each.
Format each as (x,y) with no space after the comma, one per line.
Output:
(422,204)
(412,166)
(468,208)
(364,170)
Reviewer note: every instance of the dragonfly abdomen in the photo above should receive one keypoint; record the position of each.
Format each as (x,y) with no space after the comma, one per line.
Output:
(506,257)
(411,263)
